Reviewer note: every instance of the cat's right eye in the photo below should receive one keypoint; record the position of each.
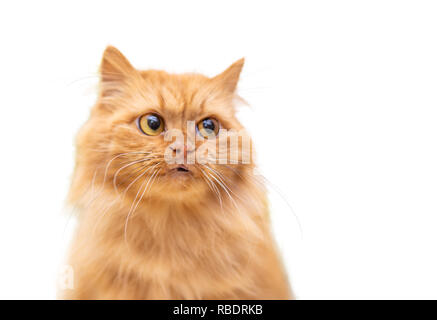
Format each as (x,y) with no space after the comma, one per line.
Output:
(151,124)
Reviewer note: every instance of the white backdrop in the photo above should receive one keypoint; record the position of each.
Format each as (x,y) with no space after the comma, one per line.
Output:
(343,112)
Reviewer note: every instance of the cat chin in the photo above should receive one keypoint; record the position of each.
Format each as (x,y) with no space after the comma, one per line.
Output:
(179,188)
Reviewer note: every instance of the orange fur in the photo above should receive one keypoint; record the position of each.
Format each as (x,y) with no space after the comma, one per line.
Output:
(186,239)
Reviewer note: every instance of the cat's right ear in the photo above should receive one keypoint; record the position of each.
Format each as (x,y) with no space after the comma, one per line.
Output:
(115,69)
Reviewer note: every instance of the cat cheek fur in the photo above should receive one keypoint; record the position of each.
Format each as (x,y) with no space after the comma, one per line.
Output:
(146,232)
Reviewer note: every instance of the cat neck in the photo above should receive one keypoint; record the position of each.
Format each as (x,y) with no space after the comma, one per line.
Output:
(178,224)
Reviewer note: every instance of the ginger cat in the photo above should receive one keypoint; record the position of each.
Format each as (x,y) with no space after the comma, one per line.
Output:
(150,228)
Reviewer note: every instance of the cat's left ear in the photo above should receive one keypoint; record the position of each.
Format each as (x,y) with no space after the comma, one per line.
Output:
(228,79)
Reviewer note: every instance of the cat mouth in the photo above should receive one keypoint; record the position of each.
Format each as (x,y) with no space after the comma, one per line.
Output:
(181,168)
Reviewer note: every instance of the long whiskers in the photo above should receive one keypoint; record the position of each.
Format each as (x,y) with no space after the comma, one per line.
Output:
(261,181)
(212,186)
(106,172)
(92,193)
(135,203)
(114,180)
(222,184)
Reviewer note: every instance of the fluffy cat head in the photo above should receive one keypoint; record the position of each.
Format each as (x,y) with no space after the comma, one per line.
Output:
(146,127)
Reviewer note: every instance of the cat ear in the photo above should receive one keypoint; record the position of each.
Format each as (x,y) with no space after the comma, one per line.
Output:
(114,69)
(229,78)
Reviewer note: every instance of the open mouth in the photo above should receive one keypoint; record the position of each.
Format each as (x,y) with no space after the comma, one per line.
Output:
(182,168)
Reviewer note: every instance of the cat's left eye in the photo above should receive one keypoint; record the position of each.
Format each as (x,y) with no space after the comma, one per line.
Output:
(151,124)
(208,127)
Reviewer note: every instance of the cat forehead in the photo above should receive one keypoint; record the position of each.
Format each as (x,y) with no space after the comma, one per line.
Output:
(187,95)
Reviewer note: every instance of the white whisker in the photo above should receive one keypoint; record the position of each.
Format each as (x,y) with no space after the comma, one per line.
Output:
(135,202)
(114,180)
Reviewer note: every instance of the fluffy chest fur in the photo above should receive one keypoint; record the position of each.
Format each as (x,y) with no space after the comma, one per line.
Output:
(181,252)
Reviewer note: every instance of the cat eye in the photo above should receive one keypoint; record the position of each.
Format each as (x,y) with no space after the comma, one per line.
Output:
(151,124)
(208,127)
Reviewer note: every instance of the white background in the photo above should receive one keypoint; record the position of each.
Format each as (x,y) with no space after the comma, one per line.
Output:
(343,111)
